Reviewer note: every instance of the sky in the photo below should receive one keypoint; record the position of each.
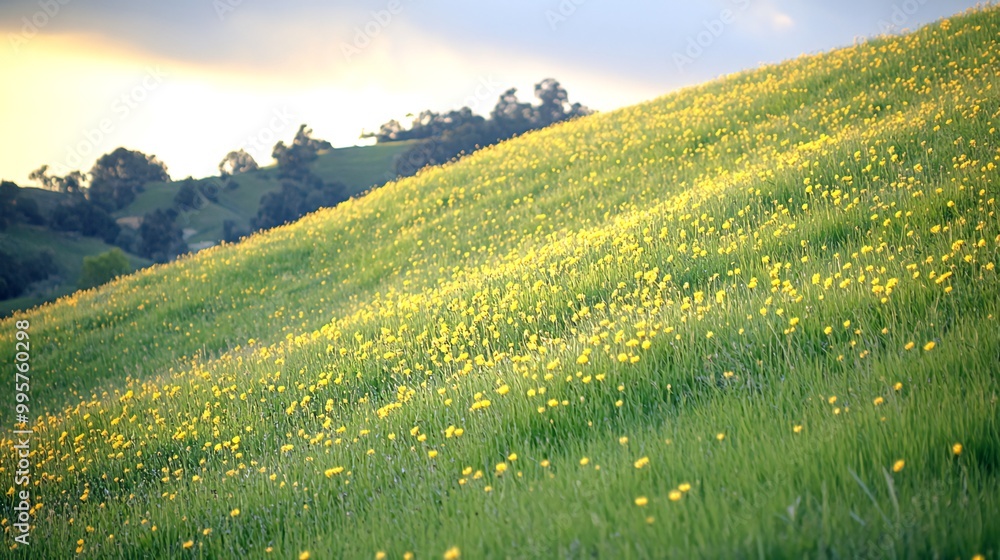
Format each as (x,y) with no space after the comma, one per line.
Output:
(190,80)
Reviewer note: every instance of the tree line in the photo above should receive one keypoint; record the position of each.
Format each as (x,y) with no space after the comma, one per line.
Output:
(116,179)
(445,136)
(112,184)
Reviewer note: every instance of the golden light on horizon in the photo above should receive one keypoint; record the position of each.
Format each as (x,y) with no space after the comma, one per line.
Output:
(85,95)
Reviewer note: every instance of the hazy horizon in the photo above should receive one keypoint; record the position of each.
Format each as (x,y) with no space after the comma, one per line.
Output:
(193,80)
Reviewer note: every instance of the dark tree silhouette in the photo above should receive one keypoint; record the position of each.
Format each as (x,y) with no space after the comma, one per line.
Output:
(301,190)
(554,105)
(388,132)
(73,183)
(85,217)
(210,189)
(187,197)
(445,136)
(19,271)
(118,176)
(232,232)
(296,199)
(510,116)
(15,207)
(293,160)
(8,203)
(160,239)
(236,162)
(29,211)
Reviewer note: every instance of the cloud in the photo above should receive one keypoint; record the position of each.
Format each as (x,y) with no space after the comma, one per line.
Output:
(780,20)
(763,18)
(229,73)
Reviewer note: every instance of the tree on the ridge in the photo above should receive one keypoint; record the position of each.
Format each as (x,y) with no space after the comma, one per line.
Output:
(293,159)
(117,177)
(236,162)
(74,183)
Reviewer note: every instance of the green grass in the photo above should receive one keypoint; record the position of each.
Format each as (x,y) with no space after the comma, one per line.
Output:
(359,168)
(46,200)
(747,319)
(67,251)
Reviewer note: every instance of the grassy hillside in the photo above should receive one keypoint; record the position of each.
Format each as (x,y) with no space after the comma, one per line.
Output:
(68,252)
(757,317)
(45,199)
(359,168)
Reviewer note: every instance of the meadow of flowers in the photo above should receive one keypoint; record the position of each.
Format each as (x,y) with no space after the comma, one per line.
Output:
(758,317)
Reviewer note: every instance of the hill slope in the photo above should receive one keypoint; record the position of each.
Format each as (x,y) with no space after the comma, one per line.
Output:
(68,252)
(749,318)
(358,168)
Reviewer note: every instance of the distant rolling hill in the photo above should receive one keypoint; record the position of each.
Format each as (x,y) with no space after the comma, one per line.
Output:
(67,250)
(359,168)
